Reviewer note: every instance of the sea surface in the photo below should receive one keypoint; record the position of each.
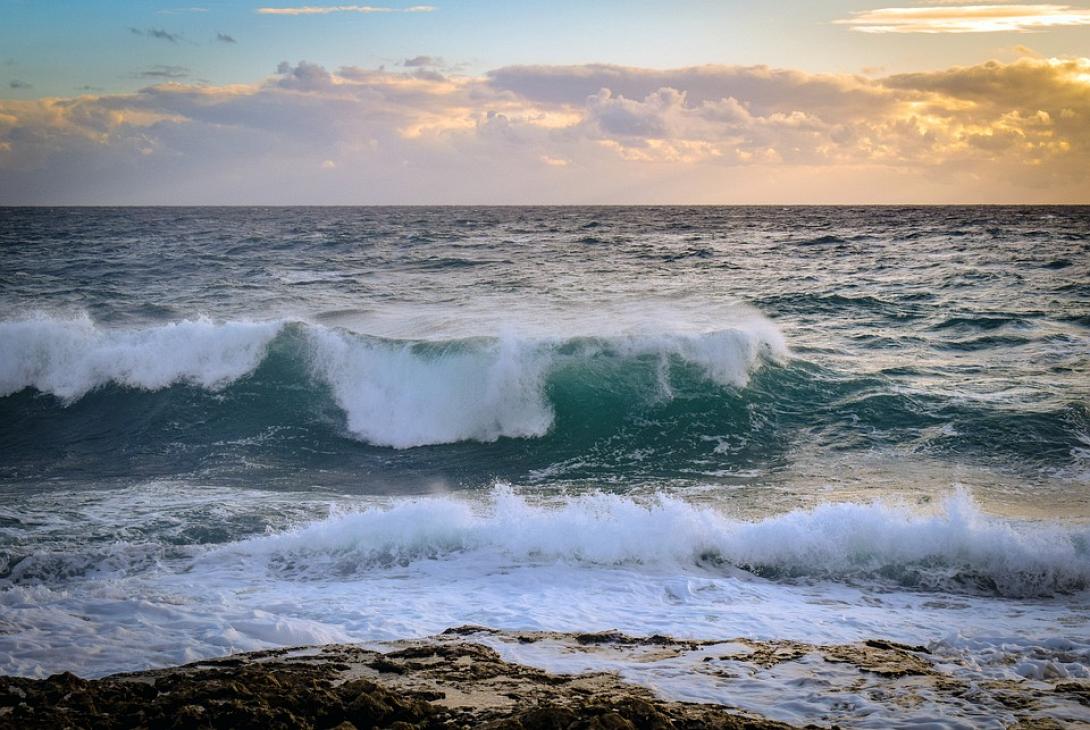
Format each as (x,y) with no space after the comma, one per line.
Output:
(225,429)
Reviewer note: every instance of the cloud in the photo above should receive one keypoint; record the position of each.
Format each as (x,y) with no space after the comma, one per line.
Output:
(768,88)
(157,33)
(997,132)
(967,19)
(654,116)
(422,62)
(224,38)
(163,72)
(327,9)
(17,84)
(303,76)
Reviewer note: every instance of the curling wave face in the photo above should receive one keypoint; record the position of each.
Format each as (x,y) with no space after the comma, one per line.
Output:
(420,393)
(69,358)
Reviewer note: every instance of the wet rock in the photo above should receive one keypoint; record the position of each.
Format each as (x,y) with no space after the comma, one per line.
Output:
(769,654)
(440,684)
(1079,690)
(260,696)
(880,657)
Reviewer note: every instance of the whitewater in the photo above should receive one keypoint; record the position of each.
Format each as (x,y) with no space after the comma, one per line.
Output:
(232,429)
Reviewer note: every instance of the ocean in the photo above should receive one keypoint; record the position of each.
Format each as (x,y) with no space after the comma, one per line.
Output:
(227,429)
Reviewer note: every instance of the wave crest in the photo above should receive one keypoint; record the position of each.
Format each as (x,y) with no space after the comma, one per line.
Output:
(69,358)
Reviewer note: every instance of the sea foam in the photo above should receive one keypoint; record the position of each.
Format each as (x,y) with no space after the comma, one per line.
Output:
(657,565)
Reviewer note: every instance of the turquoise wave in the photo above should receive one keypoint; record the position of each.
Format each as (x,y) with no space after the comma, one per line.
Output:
(289,396)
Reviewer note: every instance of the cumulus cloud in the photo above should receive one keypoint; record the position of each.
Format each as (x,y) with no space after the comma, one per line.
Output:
(523,134)
(422,62)
(303,76)
(327,9)
(967,19)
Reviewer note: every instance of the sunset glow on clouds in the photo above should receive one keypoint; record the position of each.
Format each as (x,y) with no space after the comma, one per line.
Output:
(967,19)
(421,129)
(558,131)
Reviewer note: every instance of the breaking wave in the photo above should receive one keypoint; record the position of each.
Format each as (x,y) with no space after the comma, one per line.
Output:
(956,547)
(399,393)
(70,357)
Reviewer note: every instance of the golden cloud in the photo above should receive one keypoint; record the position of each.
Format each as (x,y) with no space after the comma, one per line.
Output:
(998,131)
(967,19)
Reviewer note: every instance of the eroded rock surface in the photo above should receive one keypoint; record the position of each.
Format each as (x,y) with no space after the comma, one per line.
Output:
(456,684)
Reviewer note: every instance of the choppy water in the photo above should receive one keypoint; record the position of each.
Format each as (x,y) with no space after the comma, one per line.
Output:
(225,428)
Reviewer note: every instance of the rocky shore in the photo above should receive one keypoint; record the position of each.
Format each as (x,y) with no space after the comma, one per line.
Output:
(429,684)
(459,680)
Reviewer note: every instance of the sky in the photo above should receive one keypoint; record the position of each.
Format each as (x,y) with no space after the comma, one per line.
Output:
(490,102)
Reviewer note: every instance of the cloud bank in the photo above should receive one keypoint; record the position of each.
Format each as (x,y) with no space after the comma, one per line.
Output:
(993,132)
